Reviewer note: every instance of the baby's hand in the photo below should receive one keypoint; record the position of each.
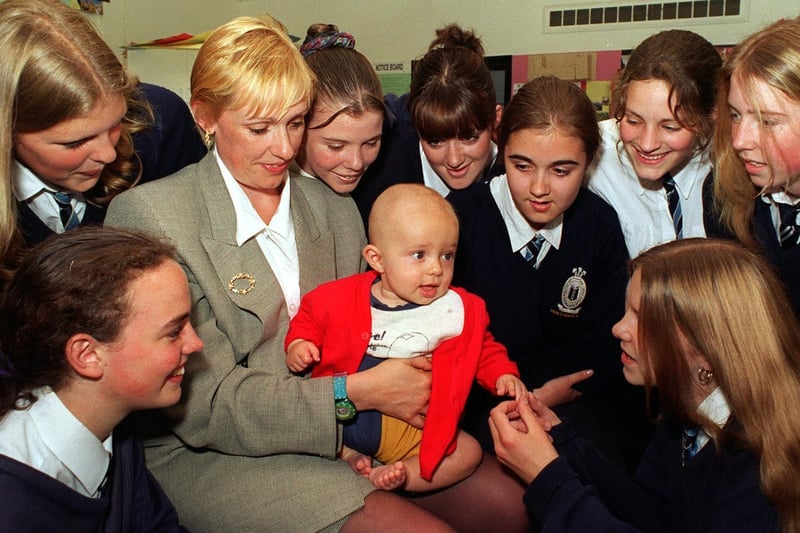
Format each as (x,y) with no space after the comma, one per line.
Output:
(301,354)
(510,385)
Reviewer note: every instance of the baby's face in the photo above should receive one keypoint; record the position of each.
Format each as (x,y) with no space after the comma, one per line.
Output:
(418,258)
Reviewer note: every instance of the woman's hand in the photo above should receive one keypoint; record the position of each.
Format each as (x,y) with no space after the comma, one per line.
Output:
(559,390)
(397,387)
(520,438)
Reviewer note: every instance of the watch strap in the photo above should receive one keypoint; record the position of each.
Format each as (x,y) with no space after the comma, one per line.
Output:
(340,386)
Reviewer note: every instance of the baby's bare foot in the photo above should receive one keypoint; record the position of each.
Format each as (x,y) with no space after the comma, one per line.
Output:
(360,463)
(389,477)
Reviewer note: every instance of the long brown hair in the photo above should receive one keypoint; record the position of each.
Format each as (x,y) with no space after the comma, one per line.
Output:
(688,63)
(452,94)
(346,80)
(549,103)
(728,306)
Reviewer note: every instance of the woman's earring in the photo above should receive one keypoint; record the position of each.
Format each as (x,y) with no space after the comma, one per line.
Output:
(208,139)
(704,375)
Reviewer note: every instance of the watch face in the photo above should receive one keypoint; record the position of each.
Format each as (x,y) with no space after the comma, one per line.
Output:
(345,410)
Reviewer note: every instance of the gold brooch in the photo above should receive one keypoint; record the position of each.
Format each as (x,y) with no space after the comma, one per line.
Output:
(236,284)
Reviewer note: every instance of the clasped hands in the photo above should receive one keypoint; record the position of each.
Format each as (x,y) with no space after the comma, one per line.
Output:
(519,430)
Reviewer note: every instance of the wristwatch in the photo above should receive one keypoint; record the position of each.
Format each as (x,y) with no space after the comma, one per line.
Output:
(345,409)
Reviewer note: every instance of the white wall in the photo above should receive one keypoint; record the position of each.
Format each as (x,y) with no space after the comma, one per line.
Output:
(401,30)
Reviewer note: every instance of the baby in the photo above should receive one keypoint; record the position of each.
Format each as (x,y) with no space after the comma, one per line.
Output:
(404,307)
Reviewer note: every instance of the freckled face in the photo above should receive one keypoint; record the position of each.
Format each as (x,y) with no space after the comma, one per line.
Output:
(144,366)
(340,152)
(769,144)
(545,171)
(651,135)
(71,155)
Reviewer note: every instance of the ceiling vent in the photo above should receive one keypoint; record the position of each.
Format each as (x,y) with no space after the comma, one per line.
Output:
(632,13)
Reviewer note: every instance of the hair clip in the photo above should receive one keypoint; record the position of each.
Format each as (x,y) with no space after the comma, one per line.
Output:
(329,39)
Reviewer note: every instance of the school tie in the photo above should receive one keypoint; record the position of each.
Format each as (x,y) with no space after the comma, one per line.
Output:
(531,250)
(674,199)
(788,230)
(689,443)
(105,486)
(69,218)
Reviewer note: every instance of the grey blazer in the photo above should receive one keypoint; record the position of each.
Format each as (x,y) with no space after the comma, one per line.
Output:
(250,447)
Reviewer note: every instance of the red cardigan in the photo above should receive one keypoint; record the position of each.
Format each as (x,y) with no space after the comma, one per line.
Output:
(336,317)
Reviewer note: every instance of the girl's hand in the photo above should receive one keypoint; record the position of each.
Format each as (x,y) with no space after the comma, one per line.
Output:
(559,390)
(520,441)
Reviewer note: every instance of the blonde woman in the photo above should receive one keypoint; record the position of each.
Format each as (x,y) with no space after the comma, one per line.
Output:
(251,447)
(75,127)
(757,142)
(707,326)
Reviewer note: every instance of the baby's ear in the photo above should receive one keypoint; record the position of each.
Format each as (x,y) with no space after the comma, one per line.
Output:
(85,355)
(373,257)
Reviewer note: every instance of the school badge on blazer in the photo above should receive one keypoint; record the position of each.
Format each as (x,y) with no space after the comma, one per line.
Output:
(573,293)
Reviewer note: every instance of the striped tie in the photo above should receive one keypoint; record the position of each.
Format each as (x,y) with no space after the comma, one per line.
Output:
(69,218)
(788,231)
(689,444)
(531,250)
(674,199)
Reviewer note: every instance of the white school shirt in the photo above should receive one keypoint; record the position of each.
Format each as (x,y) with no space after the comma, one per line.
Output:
(31,190)
(431,179)
(644,212)
(47,436)
(276,239)
(715,408)
(773,200)
(518,228)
